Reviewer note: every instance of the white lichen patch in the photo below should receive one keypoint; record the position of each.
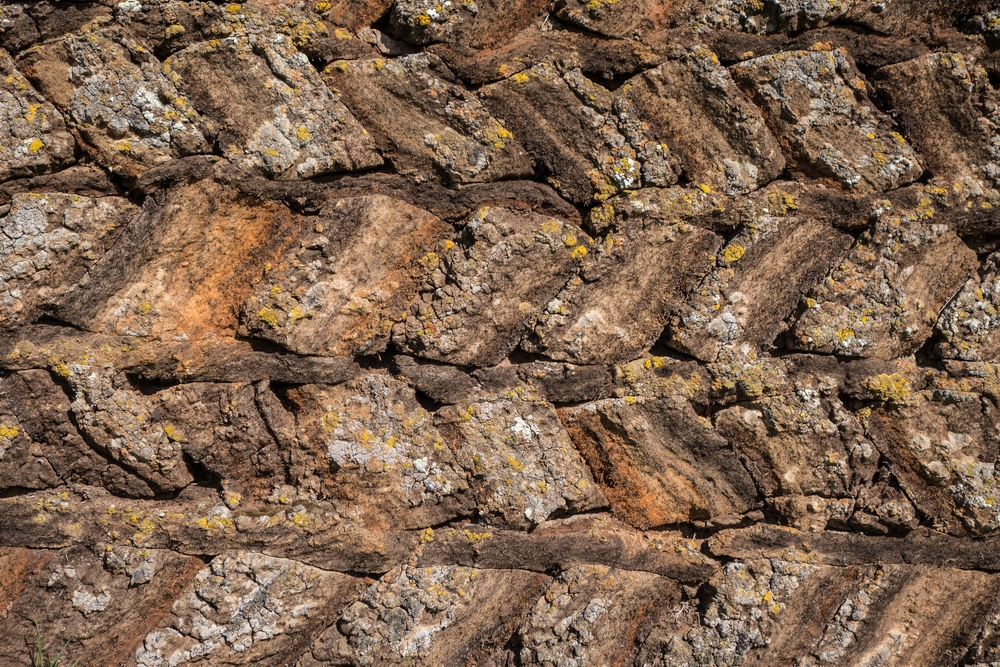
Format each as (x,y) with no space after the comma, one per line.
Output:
(769,16)
(818,101)
(301,128)
(403,612)
(521,461)
(33,136)
(120,420)
(46,243)
(90,602)
(124,103)
(877,299)
(969,324)
(238,601)
(740,616)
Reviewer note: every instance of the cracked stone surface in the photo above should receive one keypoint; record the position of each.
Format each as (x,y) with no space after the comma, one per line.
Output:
(544,332)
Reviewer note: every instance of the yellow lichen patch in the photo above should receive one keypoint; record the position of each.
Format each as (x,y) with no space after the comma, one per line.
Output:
(569,240)
(705,187)
(550,226)
(173,31)
(302,519)
(269,317)
(303,134)
(733,253)
(7,431)
(579,252)
(219,523)
(36,145)
(174,434)
(520,77)
(893,387)
(124,146)
(145,308)
(296,314)
(427,535)
(474,537)
(322,6)
(514,463)
(62,370)
(330,421)
(780,202)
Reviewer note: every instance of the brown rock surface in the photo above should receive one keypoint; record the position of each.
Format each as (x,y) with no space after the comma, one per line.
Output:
(479,333)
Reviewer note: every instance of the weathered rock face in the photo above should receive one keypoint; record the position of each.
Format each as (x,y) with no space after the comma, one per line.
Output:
(551,333)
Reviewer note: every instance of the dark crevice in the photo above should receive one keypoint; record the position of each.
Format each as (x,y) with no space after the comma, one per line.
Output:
(426,402)
(19,491)
(204,558)
(50,320)
(201,475)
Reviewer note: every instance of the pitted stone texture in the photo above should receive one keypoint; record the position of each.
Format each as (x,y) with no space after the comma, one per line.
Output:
(41,412)
(219,427)
(116,95)
(120,421)
(803,443)
(419,113)
(521,462)
(614,18)
(942,447)
(594,615)
(272,107)
(818,104)
(884,298)
(245,609)
(22,460)
(102,615)
(182,268)
(968,326)
(370,446)
(744,373)
(948,108)
(486,290)
(882,509)
(439,615)
(172,25)
(618,305)
(348,279)
(718,136)
(740,617)
(658,462)
(592,144)
(478,24)
(47,243)
(770,16)
(33,136)
(757,279)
